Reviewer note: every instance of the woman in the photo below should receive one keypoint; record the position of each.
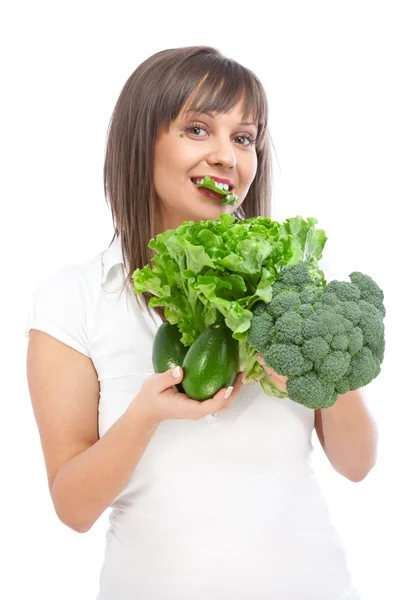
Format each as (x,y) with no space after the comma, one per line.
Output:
(227,510)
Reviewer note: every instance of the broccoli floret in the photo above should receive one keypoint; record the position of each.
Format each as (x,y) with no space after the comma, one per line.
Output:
(349,309)
(300,276)
(340,342)
(315,348)
(369,290)
(305,310)
(311,391)
(327,339)
(334,366)
(283,303)
(364,367)
(344,290)
(371,324)
(343,386)
(262,323)
(312,327)
(356,341)
(287,359)
(307,295)
(288,328)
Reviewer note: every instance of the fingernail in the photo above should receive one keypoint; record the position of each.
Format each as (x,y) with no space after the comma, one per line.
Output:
(228,392)
(176,372)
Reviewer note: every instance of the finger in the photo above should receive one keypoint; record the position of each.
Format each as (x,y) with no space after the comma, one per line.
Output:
(270,372)
(264,365)
(237,383)
(219,401)
(163,381)
(237,386)
(239,378)
(214,404)
(231,399)
(259,357)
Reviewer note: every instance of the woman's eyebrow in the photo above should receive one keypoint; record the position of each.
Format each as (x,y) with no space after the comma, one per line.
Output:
(206,112)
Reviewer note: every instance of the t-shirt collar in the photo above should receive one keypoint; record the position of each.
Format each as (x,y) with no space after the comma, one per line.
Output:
(112,257)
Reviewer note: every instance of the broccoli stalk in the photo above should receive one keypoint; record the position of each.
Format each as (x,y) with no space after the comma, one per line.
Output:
(327,339)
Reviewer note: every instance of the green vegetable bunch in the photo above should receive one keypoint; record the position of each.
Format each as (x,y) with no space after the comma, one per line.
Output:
(215,270)
(262,279)
(327,339)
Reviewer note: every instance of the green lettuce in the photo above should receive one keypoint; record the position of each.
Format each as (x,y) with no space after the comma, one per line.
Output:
(216,270)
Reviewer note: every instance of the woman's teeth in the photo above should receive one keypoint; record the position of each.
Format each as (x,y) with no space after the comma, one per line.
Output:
(221,186)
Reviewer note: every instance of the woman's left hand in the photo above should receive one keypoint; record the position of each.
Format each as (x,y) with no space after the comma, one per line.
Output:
(278,380)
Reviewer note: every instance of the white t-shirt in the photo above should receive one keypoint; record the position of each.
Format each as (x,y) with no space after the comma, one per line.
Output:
(228,510)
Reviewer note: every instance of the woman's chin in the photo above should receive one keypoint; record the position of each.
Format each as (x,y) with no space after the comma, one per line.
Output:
(208,211)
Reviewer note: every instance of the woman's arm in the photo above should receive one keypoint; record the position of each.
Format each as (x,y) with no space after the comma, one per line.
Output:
(350,435)
(88,483)
(85,473)
(346,430)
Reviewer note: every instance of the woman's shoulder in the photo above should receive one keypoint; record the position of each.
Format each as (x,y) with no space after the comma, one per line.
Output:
(71,277)
(68,283)
(62,302)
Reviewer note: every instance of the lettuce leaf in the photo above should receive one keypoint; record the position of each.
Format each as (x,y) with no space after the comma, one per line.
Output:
(216,270)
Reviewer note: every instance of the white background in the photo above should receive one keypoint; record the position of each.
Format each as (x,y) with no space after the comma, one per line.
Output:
(331,72)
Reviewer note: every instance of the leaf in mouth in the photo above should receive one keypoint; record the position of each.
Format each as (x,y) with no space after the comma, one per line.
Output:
(210,184)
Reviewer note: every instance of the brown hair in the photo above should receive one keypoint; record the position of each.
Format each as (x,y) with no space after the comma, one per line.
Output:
(152,97)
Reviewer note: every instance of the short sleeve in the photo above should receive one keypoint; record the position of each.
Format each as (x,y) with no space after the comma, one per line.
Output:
(59,307)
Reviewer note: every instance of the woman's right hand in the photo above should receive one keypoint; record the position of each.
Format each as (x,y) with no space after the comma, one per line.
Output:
(159,400)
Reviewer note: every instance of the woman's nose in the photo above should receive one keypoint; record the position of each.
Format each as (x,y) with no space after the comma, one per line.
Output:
(222,154)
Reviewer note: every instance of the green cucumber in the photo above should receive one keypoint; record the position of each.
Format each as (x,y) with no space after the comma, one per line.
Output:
(211,363)
(168,350)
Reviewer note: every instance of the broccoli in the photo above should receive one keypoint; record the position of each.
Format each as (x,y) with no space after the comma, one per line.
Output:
(327,338)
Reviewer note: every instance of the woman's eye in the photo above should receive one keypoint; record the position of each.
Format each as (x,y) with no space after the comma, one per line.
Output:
(251,141)
(191,128)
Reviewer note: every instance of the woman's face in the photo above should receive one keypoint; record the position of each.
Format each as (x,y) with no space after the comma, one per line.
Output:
(197,145)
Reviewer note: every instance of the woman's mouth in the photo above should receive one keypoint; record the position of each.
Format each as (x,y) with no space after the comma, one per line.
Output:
(208,193)
(217,191)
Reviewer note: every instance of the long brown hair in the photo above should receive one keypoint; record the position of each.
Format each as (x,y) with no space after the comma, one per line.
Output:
(151,98)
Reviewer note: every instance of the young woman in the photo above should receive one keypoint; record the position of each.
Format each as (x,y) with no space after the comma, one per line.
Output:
(227,510)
